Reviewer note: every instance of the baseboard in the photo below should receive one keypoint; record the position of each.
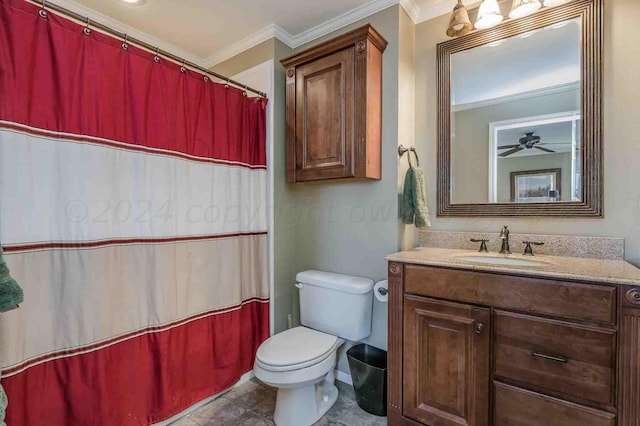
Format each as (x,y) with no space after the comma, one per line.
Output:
(243,379)
(344,377)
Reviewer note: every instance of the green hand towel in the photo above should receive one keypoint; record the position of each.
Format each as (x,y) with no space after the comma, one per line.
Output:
(10,292)
(414,199)
(408,212)
(3,406)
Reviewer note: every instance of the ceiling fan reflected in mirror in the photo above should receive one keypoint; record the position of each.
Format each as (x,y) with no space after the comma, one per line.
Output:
(528,141)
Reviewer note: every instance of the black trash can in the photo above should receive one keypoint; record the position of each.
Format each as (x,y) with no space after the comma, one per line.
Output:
(368,367)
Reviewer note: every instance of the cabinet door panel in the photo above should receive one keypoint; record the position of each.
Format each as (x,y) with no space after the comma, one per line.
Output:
(324,116)
(446,362)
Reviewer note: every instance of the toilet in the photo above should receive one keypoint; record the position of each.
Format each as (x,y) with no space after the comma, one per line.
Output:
(300,362)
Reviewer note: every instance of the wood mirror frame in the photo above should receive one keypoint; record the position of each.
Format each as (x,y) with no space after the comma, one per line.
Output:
(591,205)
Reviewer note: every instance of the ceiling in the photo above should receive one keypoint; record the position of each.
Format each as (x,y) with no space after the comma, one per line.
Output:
(210,31)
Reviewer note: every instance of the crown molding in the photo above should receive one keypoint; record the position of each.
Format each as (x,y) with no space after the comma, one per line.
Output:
(126,29)
(268,32)
(545,91)
(412,9)
(327,27)
(341,21)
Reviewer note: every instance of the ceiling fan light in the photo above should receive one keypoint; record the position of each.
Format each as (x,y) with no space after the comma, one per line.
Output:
(522,8)
(489,14)
(459,24)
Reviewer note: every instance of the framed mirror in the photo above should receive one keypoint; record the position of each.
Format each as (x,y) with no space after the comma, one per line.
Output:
(520,116)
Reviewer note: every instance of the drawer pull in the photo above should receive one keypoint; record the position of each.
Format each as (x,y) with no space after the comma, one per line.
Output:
(550,357)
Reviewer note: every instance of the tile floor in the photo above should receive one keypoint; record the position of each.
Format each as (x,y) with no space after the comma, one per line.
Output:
(252,404)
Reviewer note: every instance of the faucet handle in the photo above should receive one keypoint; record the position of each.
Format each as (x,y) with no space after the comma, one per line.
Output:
(483,244)
(528,251)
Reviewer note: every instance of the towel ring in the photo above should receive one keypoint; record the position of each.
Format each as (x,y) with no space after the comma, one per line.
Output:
(403,149)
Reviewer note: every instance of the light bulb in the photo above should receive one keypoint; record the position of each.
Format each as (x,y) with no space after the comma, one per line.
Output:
(522,8)
(489,14)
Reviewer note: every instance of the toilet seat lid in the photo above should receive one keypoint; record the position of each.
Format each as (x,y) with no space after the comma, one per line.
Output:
(296,346)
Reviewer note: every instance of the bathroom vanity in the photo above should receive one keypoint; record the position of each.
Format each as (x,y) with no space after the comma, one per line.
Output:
(480,339)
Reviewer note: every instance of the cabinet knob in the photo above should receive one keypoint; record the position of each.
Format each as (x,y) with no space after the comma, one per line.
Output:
(479,327)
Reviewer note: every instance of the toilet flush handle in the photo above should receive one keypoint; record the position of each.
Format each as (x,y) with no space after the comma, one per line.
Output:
(298,285)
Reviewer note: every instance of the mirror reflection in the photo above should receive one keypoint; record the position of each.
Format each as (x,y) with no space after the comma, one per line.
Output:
(516,118)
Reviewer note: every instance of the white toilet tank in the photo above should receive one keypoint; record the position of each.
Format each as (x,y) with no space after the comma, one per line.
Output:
(336,304)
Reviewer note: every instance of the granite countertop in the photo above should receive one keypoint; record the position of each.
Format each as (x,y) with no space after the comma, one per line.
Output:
(574,268)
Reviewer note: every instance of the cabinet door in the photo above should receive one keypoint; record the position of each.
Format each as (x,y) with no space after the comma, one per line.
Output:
(446,362)
(324,117)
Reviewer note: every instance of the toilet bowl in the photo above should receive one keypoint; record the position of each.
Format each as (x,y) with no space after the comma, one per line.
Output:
(300,362)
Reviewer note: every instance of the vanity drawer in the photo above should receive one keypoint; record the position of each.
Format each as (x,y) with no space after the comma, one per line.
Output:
(555,355)
(586,302)
(515,406)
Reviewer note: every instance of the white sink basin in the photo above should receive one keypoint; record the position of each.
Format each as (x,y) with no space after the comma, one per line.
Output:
(502,261)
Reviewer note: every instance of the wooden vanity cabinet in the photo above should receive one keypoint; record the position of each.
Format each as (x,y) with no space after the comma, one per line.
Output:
(334,108)
(477,348)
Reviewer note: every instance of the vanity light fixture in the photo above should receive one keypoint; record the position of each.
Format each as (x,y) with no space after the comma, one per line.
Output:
(134,2)
(459,24)
(522,8)
(489,14)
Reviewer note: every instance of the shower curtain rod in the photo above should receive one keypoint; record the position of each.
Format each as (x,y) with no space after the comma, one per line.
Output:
(153,49)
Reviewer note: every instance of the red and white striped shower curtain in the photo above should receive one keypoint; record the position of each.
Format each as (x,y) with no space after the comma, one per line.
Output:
(133,199)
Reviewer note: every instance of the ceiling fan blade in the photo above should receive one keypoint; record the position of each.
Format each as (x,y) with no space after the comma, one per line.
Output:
(512,151)
(508,146)
(543,149)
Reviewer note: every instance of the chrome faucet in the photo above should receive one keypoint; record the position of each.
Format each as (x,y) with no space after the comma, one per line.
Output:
(504,236)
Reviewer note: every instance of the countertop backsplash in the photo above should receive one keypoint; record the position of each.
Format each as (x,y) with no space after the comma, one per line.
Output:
(554,245)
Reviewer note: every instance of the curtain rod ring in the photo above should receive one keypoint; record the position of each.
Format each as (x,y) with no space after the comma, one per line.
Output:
(87,30)
(245,94)
(125,45)
(42,12)
(156,58)
(183,68)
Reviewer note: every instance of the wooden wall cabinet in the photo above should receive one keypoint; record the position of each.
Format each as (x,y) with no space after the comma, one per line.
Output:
(477,348)
(334,108)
